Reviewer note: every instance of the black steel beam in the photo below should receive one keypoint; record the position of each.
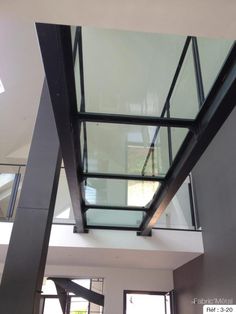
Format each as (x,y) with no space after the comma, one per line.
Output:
(113,228)
(13,165)
(79,291)
(23,272)
(56,50)
(111,207)
(134,120)
(62,295)
(117,176)
(217,107)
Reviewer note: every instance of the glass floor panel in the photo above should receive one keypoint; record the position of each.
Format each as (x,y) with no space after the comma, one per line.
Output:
(114,218)
(128,72)
(119,192)
(123,149)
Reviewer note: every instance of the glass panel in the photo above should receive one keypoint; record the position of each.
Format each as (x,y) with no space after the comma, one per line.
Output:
(177,137)
(184,100)
(82,144)
(212,54)
(76,67)
(114,218)
(123,149)
(63,212)
(119,192)
(128,72)
(178,213)
(6,184)
(22,174)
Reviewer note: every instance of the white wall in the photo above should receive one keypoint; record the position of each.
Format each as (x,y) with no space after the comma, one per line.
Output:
(116,280)
(124,260)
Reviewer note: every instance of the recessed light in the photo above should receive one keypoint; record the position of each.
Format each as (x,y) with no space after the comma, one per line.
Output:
(2,89)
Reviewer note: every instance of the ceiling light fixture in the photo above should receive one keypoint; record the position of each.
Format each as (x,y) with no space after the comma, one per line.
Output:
(2,89)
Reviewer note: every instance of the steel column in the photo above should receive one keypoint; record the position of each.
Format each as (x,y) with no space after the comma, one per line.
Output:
(26,257)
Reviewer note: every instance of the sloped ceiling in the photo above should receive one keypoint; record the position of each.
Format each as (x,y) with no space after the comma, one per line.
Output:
(21,73)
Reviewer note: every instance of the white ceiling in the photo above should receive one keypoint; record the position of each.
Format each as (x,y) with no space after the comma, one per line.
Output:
(202,17)
(118,258)
(106,248)
(90,257)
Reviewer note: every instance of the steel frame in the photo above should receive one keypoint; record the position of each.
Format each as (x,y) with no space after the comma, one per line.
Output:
(116,176)
(111,207)
(135,120)
(113,228)
(214,110)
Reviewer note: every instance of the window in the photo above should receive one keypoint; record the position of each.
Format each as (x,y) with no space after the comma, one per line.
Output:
(50,302)
(139,302)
